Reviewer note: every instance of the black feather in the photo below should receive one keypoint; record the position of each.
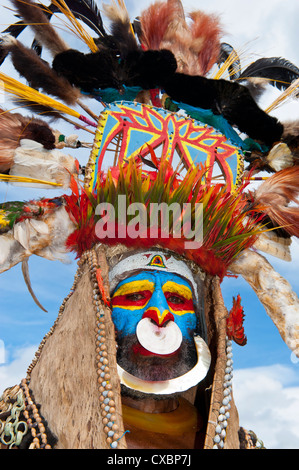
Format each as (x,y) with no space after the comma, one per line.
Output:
(280,72)
(14,30)
(87,11)
(235,68)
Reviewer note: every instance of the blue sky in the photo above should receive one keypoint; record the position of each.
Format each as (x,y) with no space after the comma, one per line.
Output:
(266,383)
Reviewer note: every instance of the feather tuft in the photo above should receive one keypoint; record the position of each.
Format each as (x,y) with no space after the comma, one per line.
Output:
(275,196)
(234,323)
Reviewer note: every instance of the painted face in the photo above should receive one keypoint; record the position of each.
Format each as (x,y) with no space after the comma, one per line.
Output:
(157,295)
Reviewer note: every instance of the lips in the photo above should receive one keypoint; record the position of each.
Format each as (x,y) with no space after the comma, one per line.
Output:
(140,350)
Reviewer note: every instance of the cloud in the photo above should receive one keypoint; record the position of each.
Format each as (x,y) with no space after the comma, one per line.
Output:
(12,372)
(267,399)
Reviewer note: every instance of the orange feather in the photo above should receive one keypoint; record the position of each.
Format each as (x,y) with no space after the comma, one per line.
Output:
(275,195)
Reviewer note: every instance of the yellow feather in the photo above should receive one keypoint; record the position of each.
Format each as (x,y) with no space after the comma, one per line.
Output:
(78,29)
(20,90)
(23,179)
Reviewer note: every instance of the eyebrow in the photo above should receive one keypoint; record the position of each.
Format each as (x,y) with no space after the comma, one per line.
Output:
(134,286)
(171,286)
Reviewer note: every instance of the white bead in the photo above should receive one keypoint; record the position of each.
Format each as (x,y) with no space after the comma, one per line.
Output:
(225,401)
(223,433)
(226,392)
(222,410)
(221,418)
(218,429)
(217,439)
(224,424)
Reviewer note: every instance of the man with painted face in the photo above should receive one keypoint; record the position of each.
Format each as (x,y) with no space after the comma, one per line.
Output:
(160,329)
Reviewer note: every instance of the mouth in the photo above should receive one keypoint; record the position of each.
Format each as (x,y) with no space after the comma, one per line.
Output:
(138,349)
(176,385)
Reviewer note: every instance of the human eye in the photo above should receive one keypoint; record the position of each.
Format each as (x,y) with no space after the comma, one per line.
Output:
(135,296)
(175,298)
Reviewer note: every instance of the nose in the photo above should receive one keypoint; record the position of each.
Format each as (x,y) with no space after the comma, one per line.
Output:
(157,308)
(160,318)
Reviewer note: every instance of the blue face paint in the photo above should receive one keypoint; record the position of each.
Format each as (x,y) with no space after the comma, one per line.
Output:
(158,295)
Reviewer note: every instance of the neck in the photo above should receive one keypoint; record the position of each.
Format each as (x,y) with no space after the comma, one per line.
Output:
(150,405)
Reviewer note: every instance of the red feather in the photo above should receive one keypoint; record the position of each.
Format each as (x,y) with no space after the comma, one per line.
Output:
(101,287)
(234,323)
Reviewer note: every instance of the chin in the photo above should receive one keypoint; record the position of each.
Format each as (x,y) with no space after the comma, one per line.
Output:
(136,360)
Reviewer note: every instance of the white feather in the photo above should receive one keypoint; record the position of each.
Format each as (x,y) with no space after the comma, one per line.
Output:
(33,161)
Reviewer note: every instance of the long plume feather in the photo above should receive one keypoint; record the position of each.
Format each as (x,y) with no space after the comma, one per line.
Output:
(76,27)
(275,195)
(32,96)
(85,10)
(279,72)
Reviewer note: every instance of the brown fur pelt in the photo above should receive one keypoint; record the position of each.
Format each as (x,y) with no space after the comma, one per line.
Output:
(32,14)
(38,73)
(15,127)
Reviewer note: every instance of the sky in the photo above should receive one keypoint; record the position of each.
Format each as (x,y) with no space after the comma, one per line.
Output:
(266,373)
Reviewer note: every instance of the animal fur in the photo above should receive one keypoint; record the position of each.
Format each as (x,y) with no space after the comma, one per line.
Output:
(230,99)
(46,35)
(38,73)
(89,71)
(121,28)
(13,128)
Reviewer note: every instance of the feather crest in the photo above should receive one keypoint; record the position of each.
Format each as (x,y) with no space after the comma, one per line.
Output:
(275,195)
(234,323)
(205,30)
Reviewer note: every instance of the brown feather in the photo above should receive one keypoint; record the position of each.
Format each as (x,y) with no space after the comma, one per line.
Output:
(196,47)
(46,35)
(38,73)
(154,23)
(206,32)
(275,195)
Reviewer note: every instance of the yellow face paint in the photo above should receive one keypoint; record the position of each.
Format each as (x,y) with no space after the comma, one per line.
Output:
(179,298)
(179,289)
(133,295)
